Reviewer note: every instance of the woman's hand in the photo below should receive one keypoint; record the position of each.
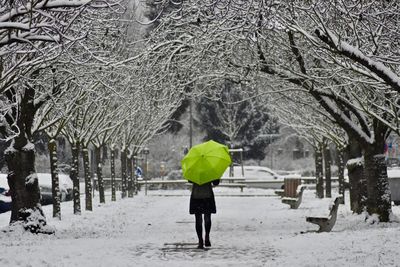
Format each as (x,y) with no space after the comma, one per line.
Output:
(215,182)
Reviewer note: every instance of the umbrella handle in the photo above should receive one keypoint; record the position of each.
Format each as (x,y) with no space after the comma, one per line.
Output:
(215,182)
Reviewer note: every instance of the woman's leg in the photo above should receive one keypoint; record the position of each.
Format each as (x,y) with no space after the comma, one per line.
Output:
(207,226)
(199,228)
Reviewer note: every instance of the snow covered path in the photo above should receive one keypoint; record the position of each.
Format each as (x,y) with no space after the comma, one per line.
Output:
(246,231)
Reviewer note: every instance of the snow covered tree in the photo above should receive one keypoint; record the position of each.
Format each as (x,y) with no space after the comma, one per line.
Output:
(94,120)
(313,125)
(51,118)
(290,42)
(33,35)
(341,31)
(238,119)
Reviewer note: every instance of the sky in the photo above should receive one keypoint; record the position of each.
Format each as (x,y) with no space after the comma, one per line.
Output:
(251,228)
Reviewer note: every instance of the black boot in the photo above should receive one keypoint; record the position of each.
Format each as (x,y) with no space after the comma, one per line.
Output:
(201,245)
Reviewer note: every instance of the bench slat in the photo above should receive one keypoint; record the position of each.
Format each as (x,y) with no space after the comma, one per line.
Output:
(294,202)
(326,223)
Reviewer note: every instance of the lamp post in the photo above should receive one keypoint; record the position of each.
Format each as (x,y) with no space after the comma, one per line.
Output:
(146,169)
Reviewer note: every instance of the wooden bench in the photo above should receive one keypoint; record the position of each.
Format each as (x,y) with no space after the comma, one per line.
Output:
(241,186)
(167,183)
(294,202)
(186,183)
(326,223)
(157,182)
(232,179)
(280,192)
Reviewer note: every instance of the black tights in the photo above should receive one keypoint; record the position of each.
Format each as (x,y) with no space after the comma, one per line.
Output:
(199,226)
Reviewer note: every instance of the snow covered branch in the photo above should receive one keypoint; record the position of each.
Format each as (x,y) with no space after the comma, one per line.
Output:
(345,49)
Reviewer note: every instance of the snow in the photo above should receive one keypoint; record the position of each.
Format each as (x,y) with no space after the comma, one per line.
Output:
(393,172)
(10,149)
(252,228)
(350,123)
(44,180)
(34,219)
(64,180)
(29,147)
(375,66)
(356,161)
(31,179)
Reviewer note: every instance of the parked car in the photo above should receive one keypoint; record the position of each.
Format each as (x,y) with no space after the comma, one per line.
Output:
(259,177)
(65,183)
(393,162)
(289,174)
(5,198)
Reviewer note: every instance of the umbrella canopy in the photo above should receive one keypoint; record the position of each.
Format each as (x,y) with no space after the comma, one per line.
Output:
(205,162)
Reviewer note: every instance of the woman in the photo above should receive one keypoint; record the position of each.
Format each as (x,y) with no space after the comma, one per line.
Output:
(202,202)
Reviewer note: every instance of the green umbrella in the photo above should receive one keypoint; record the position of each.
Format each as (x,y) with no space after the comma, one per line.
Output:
(205,162)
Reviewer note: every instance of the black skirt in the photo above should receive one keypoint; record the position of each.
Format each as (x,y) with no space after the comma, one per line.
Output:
(202,205)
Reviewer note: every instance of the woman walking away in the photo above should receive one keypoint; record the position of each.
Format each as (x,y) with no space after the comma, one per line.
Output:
(202,201)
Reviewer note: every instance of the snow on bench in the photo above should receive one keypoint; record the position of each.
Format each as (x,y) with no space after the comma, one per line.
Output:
(280,192)
(186,183)
(294,202)
(240,185)
(233,179)
(326,223)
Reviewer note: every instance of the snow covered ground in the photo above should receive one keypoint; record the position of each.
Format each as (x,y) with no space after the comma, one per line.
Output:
(252,228)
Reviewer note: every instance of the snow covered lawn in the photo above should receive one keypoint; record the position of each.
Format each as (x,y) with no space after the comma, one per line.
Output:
(253,230)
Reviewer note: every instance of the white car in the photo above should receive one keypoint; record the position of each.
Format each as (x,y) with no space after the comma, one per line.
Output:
(393,172)
(3,181)
(5,198)
(257,176)
(65,184)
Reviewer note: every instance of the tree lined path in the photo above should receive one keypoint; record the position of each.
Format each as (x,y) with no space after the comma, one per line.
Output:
(246,231)
(94,73)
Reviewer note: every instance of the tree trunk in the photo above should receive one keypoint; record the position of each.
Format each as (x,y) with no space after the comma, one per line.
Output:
(123,173)
(113,194)
(88,180)
(319,171)
(358,188)
(379,199)
(74,174)
(341,175)
(55,186)
(357,182)
(24,188)
(20,157)
(130,175)
(328,173)
(99,171)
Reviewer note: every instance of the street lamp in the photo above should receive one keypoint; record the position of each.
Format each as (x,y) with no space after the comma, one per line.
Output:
(145,151)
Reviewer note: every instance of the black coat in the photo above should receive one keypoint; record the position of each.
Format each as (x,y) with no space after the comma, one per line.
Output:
(202,199)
